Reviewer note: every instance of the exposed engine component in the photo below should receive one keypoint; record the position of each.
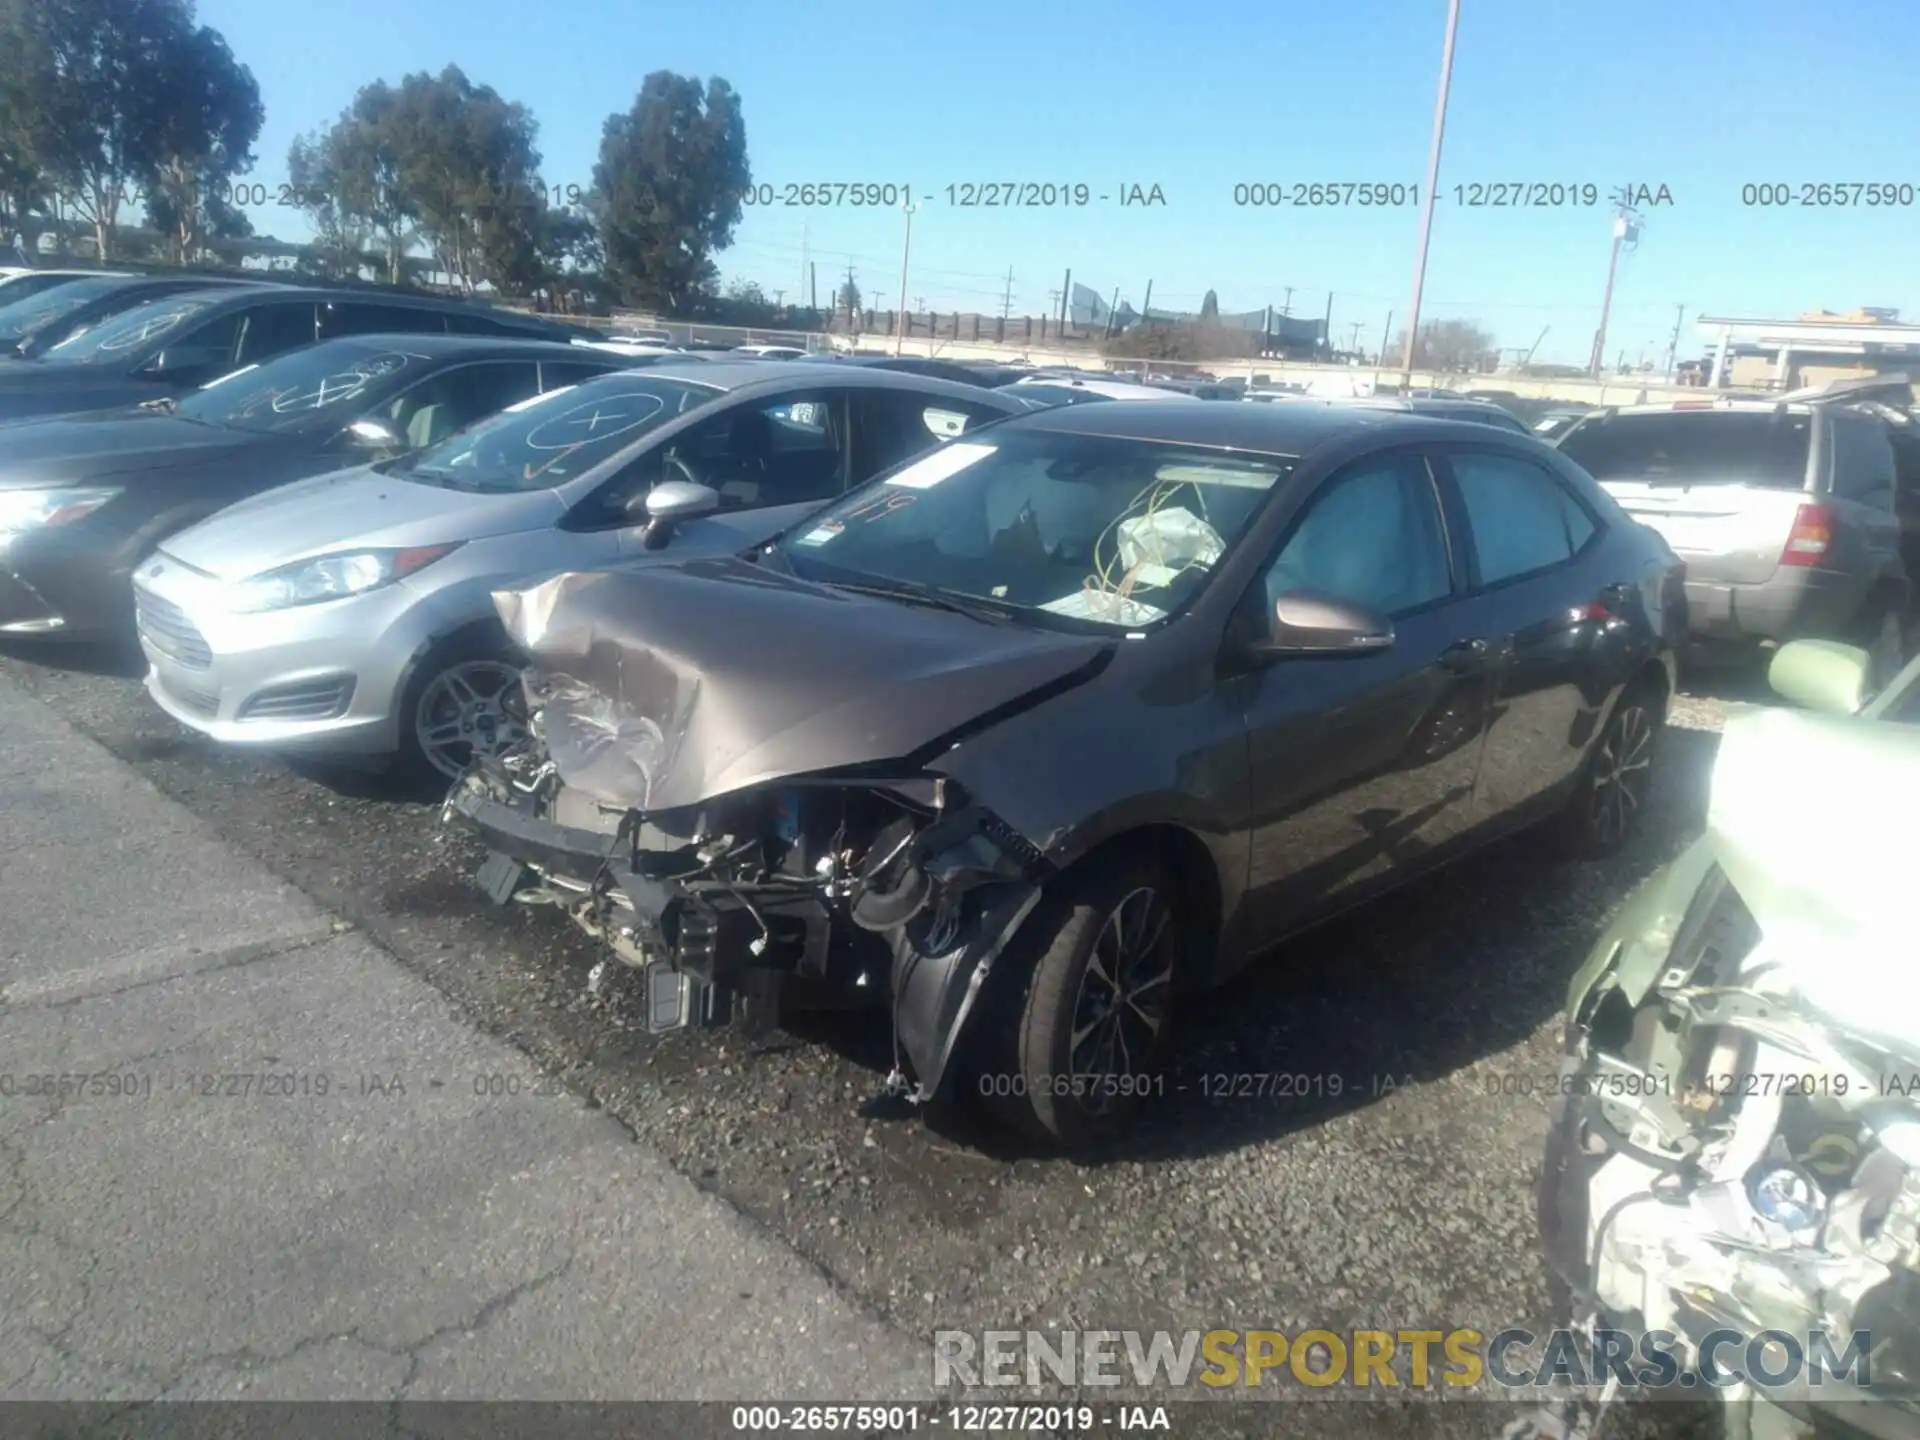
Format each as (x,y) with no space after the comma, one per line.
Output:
(890,887)
(1731,1158)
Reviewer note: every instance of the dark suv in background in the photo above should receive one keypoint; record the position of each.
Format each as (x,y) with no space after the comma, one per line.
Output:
(1787,512)
(179,342)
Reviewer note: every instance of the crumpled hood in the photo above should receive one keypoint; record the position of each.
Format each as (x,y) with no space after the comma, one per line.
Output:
(1809,818)
(674,683)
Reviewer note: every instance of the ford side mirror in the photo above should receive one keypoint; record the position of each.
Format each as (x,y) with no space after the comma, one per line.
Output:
(376,435)
(1309,622)
(670,502)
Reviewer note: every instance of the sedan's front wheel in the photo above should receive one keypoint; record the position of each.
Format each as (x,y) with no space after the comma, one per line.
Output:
(465,703)
(1088,1020)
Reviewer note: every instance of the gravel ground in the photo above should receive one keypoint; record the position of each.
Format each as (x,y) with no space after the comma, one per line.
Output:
(1378,1207)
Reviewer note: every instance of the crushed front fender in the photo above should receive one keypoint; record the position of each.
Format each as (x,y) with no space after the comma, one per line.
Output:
(972,882)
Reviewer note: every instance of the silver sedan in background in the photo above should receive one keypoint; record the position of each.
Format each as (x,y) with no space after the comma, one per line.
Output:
(352,615)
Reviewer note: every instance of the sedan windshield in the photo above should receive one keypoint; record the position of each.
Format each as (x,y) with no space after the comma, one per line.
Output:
(305,387)
(540,444)
(125,337)
(25,317)
(1045,527)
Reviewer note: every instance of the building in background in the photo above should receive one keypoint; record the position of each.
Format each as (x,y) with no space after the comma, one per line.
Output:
(1818,346)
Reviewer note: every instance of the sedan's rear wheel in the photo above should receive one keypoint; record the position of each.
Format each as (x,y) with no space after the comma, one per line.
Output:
(465,703)
(1614,789)
(1089,1021)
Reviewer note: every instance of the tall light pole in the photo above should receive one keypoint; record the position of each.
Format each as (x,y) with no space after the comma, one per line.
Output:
(906,240)
(1626,230)
(1433,180)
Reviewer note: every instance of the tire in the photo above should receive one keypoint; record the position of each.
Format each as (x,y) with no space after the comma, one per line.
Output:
(1616,782)
(1066,953)
(464,700)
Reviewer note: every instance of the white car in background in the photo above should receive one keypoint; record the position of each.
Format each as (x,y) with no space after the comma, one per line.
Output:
(767,352)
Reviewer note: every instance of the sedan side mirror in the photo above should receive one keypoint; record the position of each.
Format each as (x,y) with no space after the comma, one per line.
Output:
(1310,622)
(670,502)
(376,434)
(1822,675)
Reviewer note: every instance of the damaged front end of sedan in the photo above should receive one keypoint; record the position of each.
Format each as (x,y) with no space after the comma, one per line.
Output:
(662,816)
(1736,1159)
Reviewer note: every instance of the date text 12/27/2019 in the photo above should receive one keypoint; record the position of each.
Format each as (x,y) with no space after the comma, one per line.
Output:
(962,195)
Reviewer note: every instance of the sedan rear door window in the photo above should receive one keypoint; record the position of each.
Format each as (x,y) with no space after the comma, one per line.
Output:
(1522,518)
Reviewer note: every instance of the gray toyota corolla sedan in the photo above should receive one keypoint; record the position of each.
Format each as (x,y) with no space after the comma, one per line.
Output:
(1075,714)
(352,614)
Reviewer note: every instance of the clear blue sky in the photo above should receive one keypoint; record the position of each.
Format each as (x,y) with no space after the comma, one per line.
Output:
(1194,98)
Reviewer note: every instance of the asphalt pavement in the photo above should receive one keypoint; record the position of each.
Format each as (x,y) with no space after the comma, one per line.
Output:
(244,1154)
(1374,1169)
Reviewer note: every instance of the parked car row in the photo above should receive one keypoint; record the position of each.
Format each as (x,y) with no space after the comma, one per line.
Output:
(1026,719)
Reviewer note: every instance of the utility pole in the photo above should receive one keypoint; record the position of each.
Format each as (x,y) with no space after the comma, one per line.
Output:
(813,287)
(1353,340)
(1626,227)
(1066,299)
(906,239)
(1006,305)
(1326,325)
(1146,306)
(806,262)
(1673,345)
(853,322)
(1433,181)
(1286,305)
(1386,338)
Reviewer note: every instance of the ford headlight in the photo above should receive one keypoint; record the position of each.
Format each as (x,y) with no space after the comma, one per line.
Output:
(330,577)
(22,510)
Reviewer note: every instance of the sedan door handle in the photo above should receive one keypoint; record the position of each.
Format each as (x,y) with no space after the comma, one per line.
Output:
(1467,656)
